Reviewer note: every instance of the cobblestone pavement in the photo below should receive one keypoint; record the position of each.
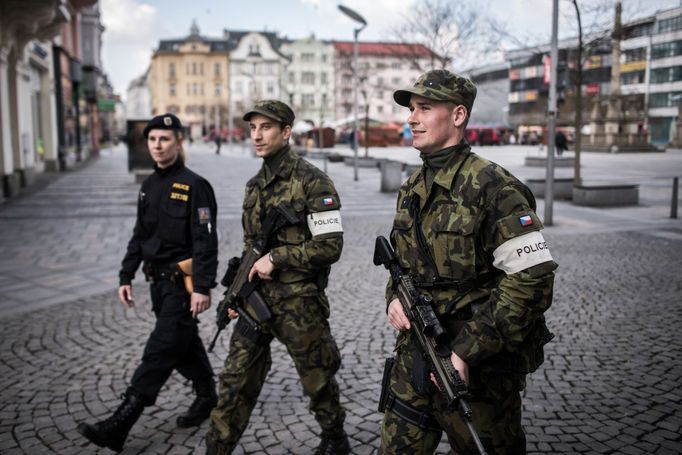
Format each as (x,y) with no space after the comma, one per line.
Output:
(610,383)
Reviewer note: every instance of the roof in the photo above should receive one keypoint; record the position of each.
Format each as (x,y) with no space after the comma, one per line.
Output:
(384,49)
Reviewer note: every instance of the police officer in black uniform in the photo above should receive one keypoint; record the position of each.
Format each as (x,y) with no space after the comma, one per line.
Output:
(176,221)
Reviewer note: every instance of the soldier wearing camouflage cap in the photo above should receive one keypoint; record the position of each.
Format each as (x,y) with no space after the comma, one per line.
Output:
(293,276)
(467,231)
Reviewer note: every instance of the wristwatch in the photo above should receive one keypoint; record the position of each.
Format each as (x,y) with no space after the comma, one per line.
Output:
(270,258)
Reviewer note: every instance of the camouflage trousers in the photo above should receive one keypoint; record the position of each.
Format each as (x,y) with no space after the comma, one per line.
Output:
(495,402)
(301,324)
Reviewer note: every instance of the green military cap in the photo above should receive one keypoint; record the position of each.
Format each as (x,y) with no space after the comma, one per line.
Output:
(163,122)
(440,85)
(273,109)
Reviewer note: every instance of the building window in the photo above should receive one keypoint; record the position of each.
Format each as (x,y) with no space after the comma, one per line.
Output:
(663,50)
(254,49)
(635,55)
(380,81)
(216,69)
(380,95)
(397,66)
(668,99)
(217,89)
(381,65)
(171,70)
(636,77)
(380,109)
(201,69)
(307,57)
(308,100)
(347,79)
(323,58)
(670,25)
(323,78)
(270,88)
(308,77)
(195,89)
(194,68)
(396,81)
(188,90)
(292,77)
(172,89)
(324,100)
(670,74)
(238,87)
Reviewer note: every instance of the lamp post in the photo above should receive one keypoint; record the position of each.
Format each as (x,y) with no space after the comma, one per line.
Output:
(359,19)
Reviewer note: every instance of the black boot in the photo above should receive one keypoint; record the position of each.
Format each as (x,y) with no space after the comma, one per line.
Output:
(202,406)
(333,445)
(112,432)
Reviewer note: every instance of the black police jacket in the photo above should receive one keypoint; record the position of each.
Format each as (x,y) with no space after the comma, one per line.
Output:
(176,220)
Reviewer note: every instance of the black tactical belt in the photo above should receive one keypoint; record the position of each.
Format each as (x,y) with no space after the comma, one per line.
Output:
(409,413)
(155,272)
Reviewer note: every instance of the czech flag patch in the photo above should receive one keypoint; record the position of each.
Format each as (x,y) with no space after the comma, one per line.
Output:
(526,220)
(327,201)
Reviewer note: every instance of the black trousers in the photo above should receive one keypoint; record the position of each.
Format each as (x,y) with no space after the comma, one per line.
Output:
(174,344)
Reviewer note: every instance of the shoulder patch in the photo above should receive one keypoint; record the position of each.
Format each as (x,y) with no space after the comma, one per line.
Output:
(326,222)
(521,253)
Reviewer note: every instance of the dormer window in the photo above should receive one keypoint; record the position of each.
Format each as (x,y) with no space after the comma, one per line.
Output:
(254,49)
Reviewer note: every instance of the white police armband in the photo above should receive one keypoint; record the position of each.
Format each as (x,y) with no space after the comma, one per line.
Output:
(521,253)
(324,222)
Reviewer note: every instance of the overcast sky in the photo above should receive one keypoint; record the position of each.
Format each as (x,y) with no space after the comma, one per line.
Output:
(133,28)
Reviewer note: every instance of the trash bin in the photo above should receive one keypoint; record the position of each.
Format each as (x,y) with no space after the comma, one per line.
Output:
(138,153)
(391,176)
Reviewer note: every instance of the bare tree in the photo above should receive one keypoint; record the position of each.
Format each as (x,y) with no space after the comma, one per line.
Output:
(454,32)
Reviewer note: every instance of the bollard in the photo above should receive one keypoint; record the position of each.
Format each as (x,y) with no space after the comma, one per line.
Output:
(673,203)
(391,176)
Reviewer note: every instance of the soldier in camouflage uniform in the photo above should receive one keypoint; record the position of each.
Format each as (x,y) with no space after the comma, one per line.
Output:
(467,232)
(293,276)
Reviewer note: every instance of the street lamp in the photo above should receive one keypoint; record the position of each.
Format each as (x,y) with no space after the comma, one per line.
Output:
(359,19)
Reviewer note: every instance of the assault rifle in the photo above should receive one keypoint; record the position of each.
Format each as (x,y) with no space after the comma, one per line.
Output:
(239,289)
(430,336)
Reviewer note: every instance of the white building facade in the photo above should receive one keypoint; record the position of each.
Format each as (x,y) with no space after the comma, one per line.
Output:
(309,85)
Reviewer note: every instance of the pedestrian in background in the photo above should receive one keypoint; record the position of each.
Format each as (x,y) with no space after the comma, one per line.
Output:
(560,143)
(176,222)
(467,232)
(292,279)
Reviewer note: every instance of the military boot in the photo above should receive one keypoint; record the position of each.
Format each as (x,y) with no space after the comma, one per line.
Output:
(333,444)
(202,406)
(112,432)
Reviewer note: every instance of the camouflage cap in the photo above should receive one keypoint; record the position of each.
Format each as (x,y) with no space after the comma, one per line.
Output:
(441,85)
(163,122)
(273,109)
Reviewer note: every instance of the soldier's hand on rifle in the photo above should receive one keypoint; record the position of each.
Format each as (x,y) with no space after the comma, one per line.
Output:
(232,314)
(199,303)
(263,267)
(125,295)
(461,367)
(397,317)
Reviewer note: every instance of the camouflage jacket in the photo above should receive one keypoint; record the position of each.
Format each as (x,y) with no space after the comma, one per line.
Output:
(472,224)
(301,260)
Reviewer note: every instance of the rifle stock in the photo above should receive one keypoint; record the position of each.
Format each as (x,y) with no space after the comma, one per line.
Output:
(430,335)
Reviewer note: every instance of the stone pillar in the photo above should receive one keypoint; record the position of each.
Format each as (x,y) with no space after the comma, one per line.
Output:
(10,182)
(391,176)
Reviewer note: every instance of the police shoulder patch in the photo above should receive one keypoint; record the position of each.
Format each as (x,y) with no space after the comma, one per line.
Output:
(521,253)
(326,222)
(204,214)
